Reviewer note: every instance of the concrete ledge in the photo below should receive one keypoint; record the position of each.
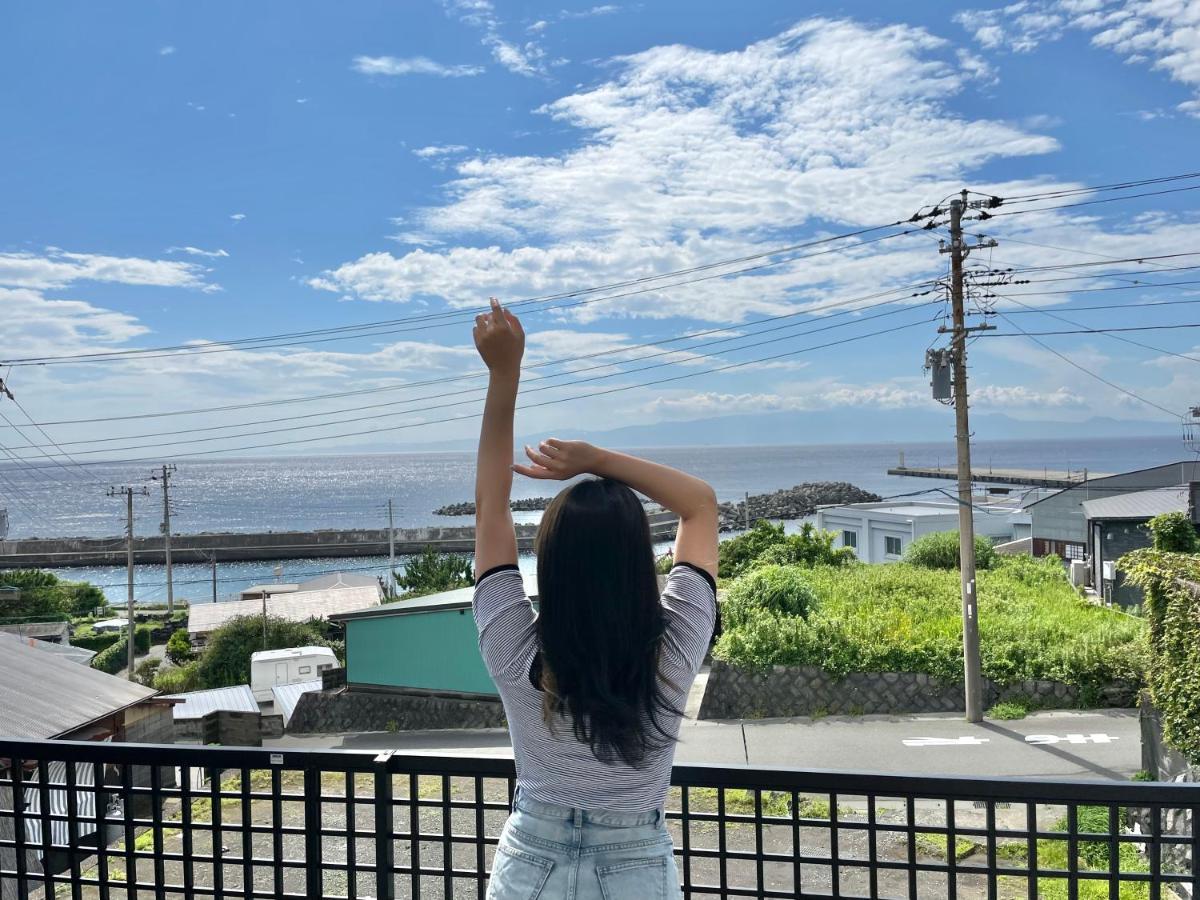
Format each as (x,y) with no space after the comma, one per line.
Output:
(349,710)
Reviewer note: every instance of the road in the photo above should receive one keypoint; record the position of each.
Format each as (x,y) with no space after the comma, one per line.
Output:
(1063,744)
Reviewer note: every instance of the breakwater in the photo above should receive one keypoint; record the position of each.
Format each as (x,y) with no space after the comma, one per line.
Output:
(231,546)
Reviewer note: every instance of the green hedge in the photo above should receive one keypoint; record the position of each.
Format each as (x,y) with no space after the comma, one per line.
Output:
(94,640)
(902,618)
(939,550)
(113,658)
(1173,611)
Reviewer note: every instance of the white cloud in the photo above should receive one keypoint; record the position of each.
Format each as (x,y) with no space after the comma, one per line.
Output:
(434,150)
(523,59)
(412,65)
(539,25)
(1021,396)
(800,397)
(1163,33)
(687,155)
(301,100)
(196,251)
(168,50)
(237,217)
(59,268)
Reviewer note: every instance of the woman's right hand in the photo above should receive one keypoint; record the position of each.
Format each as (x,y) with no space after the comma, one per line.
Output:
(556,460)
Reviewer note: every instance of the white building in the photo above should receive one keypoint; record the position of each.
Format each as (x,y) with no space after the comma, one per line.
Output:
(881,532)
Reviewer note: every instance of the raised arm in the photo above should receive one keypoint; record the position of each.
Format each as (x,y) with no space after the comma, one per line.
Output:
(501,342)
(685,495)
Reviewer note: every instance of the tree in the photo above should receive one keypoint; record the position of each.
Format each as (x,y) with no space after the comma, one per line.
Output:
(179,648)
(225,660)
(433,572)
(44,595)
(1174,533)
(735,555)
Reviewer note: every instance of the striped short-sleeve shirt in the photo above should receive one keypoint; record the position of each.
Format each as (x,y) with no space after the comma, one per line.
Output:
(552,765)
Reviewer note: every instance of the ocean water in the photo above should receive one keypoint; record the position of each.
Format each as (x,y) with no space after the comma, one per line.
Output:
(349,491)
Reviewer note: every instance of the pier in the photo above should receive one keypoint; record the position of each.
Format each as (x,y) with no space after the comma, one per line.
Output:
(230,546)
(1030,477)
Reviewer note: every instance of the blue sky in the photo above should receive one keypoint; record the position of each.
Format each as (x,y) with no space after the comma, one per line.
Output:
(175,173)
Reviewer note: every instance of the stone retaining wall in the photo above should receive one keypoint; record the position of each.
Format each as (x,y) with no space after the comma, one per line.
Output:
(353,710)
(785,691)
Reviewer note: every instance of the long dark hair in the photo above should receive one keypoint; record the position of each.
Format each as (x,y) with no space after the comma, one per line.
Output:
(600,621)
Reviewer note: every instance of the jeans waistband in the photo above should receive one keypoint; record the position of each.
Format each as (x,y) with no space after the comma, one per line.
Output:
(611,818)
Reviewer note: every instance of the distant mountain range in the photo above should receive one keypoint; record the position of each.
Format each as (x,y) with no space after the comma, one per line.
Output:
(839,426)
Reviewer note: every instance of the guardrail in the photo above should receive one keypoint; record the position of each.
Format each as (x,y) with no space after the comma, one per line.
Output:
(113,820)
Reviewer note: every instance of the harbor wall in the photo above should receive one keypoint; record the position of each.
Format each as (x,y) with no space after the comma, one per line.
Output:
(230,546)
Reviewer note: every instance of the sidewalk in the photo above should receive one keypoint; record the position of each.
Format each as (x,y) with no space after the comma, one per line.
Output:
(1065,744)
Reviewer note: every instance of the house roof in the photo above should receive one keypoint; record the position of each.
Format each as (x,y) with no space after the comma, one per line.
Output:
(56,631)
(288,653)
(1138,505)
(339,580)
(1187,470)
(288,695)
(80,655)
(299,606)
(198,704)
(446,600)
(44,695)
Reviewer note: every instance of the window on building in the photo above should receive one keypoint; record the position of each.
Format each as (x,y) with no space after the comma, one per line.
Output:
(324,666)
(1073,551)
(892,546)
(849,538)
(304,670)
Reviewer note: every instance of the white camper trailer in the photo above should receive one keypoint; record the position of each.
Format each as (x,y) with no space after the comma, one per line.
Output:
(295,664)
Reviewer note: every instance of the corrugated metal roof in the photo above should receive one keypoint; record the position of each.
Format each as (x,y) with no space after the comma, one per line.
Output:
(296,607)
(59,632)
(43,695)
(460,598)
(1139,505)
(79,655)
(339,580)
(288,695)
(197,704)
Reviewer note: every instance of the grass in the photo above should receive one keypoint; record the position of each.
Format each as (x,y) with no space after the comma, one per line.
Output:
(902,618)
(1052,853)
(932,844)
(1008,711)
(774,803)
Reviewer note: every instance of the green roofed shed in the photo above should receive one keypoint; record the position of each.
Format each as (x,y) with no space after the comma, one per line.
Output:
(424,644)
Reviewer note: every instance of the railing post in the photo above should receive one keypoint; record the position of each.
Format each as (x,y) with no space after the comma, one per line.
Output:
(385,845)
(313,881)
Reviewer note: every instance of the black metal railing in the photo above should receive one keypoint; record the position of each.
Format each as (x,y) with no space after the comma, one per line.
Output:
(113,820)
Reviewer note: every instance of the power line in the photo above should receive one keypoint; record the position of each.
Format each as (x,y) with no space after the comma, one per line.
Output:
(1087,371)
(687,353)
(1115,186)
(613,390)
(467,314)
(1109,330)
(1019,212)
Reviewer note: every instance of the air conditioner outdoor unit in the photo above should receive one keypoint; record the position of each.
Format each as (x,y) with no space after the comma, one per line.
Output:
(1109,571)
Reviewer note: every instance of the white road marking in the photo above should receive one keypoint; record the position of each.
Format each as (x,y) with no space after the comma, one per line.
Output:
(944,742)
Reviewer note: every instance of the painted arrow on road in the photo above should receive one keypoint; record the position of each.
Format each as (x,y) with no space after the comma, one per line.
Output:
(944,742)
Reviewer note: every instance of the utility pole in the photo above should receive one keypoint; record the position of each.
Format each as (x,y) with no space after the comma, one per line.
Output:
(391,552)
(127,493)
(165,478)
(213,562)
(972,670)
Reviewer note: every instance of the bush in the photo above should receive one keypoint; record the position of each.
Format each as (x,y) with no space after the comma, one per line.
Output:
(1174,533)
(735,555)
(940,551)
(809,547)
(433,572)
(177,680)
(1173,612)
(226,657)
(113,658)
(664,563)
(141,638)
(94,640)
(903,618)
(179,648)
(145,670)
(778,590)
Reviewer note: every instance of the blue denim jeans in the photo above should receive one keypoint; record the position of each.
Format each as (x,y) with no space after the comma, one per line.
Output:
(550,852)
